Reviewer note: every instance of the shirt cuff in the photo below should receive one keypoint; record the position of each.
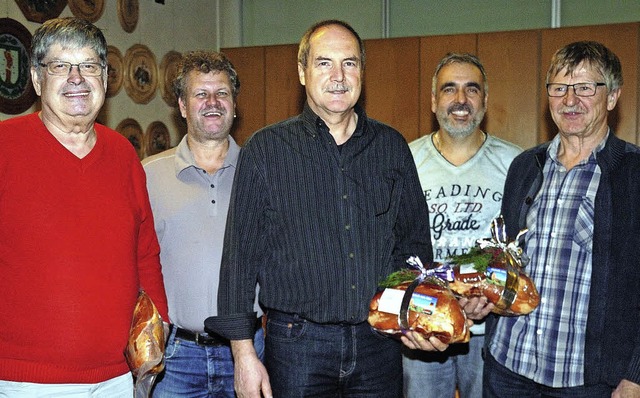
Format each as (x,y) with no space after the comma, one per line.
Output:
(232,327)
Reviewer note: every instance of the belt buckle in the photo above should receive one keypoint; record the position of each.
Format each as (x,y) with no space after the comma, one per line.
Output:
(202,340)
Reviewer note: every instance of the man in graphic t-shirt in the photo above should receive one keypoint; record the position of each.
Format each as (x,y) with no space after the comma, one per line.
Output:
(462,171)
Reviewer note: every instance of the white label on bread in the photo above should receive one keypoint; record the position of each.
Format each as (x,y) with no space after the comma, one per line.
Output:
(390,301)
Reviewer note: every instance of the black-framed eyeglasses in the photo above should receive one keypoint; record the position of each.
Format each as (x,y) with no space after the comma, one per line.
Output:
(580,89)
(62,68)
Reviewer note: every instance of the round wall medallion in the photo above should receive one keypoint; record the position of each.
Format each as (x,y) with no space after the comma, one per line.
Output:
(41,10)
(115,70)
(157,138)
(91,10)
(168,73)
(16,91)
(140,73)
(128,14)
(132,131)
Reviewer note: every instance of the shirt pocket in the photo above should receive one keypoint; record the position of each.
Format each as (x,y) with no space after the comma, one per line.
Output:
(384,194)
(583,228)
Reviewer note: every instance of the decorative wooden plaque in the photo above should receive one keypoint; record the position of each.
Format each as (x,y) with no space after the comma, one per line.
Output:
(91,10)
(16,91)
(157,138)
(168,73)
(140,73)
(41,10)
(115,70)
(131,129)
(128,14)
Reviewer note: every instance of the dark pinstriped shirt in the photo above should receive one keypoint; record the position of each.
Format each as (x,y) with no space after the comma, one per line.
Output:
(318,226)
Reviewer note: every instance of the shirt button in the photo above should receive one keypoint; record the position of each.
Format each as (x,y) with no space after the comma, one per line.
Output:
(351,255)
(353,287)
(213,186)
(345,196)
(213,201)
(347,227)
(539,332)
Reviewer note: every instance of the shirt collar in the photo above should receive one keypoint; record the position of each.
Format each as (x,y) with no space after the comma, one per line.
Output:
(552,150)
(316,124)
(184,157)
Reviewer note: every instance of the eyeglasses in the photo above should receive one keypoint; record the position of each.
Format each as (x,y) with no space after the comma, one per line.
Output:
(580,89)
(61,68)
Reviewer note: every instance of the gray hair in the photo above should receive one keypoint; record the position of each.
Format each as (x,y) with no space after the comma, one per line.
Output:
(591,53)
(72,33)
(459,58)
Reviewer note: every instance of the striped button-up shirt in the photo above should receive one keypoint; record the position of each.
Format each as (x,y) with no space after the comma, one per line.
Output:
(318,226)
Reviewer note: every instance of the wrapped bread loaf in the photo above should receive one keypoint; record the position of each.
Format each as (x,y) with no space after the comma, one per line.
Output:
(145,349)
(501,281)
(426,306)
(494,269)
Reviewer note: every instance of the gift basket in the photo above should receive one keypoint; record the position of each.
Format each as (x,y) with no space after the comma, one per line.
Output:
(425,299)
(494,268)
(418,301)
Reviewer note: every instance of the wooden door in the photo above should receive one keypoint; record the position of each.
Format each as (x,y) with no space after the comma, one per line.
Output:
(511,62)
(250,106)
(391,90)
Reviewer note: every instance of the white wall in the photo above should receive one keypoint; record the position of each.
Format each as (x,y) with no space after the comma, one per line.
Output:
(179,25)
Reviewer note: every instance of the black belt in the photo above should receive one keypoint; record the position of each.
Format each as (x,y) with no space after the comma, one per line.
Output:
(200,338)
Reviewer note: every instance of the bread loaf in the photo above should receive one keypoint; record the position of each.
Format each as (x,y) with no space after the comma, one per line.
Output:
(432,311)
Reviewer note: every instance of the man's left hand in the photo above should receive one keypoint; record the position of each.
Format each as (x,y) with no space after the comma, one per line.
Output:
(626,389)
(415,341)
(476,308)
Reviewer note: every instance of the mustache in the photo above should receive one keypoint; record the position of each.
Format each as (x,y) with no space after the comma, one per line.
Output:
(338,87)
(460,107)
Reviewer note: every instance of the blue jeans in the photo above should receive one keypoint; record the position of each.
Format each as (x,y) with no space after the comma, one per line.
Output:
(192,370)
(500,382)
(306,359)
(460,364)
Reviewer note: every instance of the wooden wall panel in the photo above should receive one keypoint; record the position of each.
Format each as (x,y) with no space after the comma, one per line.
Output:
(390,88)
(397,85)
(432,50)
(284,96)
(250,107)
(622,39)
(511,61)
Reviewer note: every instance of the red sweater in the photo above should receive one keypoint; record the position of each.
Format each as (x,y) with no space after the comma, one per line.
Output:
(77,241)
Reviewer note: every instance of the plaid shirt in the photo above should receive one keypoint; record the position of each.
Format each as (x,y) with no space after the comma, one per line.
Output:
(547,346)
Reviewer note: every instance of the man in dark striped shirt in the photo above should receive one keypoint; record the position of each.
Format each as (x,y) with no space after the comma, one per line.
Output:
(325,205)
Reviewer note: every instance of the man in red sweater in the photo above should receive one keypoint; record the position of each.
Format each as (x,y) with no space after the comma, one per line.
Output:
(77,240)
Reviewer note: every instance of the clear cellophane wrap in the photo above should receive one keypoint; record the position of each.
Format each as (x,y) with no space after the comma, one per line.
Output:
(145,349)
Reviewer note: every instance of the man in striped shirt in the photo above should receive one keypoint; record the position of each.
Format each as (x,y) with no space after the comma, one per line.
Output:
(324,206)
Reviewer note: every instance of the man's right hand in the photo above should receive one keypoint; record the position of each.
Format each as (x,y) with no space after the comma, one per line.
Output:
(250,376)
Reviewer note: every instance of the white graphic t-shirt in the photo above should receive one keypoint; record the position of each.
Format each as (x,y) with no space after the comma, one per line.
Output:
(463,199)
